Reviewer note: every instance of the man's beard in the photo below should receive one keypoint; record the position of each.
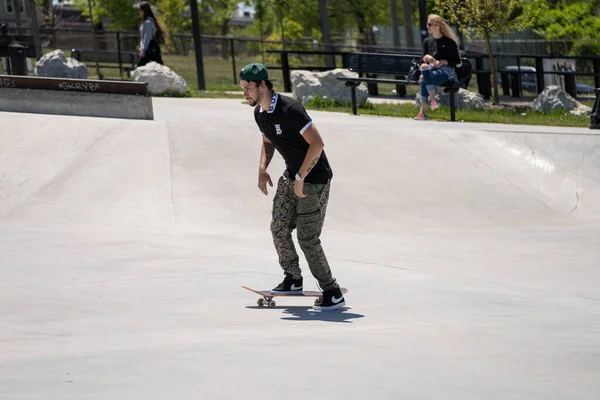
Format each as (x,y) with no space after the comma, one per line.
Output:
(254,102)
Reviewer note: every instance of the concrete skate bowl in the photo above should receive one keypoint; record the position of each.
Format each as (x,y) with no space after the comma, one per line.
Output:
(182,174)
(469,251)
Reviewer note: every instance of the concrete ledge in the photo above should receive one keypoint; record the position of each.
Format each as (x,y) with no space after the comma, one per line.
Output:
(88,98)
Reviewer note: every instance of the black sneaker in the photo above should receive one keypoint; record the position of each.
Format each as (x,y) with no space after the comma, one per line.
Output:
(331,300)
(289,286)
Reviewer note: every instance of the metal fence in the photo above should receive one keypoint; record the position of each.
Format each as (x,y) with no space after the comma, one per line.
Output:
(224,56)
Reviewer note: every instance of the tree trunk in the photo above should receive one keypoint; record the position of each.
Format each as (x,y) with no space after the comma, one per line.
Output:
(93,36)
(262,41)
(259,13)
(325,30)
(364,31)
(225,42)
(281,7)
(282,30)
(395,33)
(495,96)
(408,23)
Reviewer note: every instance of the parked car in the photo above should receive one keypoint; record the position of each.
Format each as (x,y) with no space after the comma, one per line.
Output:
(529,81)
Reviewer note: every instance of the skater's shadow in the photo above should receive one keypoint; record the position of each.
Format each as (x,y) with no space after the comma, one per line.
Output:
(304,313)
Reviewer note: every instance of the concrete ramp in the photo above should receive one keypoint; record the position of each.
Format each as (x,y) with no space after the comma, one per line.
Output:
(469,251)
(172,173)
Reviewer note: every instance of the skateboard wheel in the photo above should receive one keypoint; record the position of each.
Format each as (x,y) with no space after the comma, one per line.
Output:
(260,302)
(272,303)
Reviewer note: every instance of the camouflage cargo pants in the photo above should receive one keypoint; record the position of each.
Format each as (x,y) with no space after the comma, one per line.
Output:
(307,215)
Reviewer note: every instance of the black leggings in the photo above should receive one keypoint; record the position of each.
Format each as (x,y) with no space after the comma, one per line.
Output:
(151,54)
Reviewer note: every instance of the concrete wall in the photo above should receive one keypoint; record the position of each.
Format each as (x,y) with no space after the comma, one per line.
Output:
(76,103)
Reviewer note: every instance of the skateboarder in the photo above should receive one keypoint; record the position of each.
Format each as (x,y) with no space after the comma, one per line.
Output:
(302,192)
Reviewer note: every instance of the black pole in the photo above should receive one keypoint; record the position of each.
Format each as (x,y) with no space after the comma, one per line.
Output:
(285,71)
(461,38)
(119,53)
(423,18)
(539,75)
(595,117)
(232,49)
(597,72)
(197,44)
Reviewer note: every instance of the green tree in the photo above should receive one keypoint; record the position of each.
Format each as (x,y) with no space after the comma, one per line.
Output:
(486,18)
(293,32)
(217,15)
(270,13)
(576,21)
(173,19)
(343,15)
(260,14)
(122,14)
(362,15)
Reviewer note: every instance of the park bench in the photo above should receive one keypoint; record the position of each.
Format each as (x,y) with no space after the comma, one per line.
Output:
(398,65)
(125,61)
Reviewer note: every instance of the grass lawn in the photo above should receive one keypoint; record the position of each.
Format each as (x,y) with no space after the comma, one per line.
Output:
(492,115)
(218,73)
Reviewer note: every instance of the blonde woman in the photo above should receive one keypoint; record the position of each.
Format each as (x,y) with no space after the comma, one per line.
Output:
(439,57)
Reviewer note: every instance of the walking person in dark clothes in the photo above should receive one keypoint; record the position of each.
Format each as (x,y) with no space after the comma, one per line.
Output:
(302,192)
(151,35)
(439,57)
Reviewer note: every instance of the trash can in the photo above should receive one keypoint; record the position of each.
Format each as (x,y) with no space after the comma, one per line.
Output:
(18,59)
(595,118)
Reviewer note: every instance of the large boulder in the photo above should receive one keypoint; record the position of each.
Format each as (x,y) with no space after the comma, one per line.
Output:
(464,99)
(56,65)
(554,98)
(307,85)
(160,78)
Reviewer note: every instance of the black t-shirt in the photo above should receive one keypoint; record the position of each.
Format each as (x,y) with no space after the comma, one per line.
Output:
(443,48)
(283,124)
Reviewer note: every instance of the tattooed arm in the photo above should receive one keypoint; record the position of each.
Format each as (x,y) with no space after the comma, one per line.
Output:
(266,155)
(312,136)
(315,148)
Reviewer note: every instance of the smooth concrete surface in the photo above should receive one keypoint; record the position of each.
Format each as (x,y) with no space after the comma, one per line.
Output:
(470,252)
(84,104)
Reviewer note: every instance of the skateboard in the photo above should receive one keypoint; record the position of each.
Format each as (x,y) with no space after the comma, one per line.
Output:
(267,296)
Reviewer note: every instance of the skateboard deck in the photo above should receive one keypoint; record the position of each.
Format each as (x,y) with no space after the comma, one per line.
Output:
(267,296)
